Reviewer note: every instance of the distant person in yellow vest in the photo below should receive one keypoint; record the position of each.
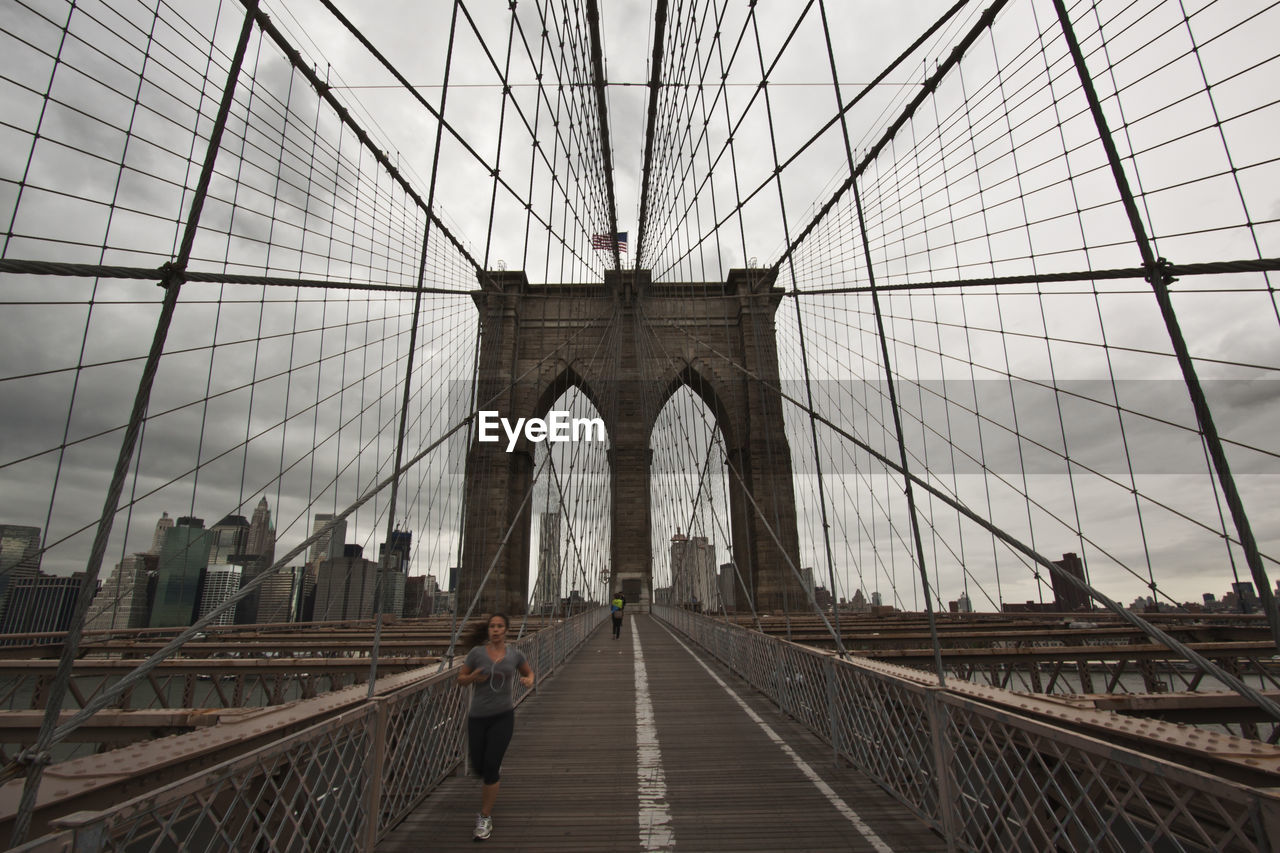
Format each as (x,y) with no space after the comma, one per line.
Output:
(615,610)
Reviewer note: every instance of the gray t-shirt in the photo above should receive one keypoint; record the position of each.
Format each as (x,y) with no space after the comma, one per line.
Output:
(492,697)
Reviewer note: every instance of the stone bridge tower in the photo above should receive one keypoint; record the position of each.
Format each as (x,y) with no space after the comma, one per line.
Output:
(629,345)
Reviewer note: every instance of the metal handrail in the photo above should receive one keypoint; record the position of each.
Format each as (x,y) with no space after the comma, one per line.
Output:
(980,772)
(340,784)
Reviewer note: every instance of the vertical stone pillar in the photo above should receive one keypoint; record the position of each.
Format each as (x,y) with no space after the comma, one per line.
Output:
(631,545)
(590,334)
(497,481)
(764,455)
(629,401)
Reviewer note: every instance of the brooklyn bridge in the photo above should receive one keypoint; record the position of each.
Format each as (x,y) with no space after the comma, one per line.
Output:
(907,370)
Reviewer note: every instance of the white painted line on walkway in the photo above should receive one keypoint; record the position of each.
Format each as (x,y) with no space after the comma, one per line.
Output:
(656,832)
(835,799)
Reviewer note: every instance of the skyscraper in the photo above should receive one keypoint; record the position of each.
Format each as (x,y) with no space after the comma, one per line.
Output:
(729,586)
(546,591)
(305,591)
(19,556)
(259,555)
(1246,597)
(416,602)
(276,599)
(330,544)
(228,541)
(157,538)
(395,554)
(183,558)
(41,604)
(1067,597)
(807,580)
(262,536)
(391,584)
(693,572)
(221,581)
(680,592)
(122,600)
(345,587)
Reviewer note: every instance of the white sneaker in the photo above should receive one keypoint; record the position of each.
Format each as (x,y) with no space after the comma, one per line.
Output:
(484,826)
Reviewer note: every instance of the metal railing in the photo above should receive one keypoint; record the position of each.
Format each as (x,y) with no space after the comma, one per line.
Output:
(986,778)
(338,785)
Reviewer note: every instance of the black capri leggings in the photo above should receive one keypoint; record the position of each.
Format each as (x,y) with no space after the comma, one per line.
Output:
(489,738)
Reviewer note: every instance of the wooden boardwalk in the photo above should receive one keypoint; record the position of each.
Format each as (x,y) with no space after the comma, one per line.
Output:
(570,779)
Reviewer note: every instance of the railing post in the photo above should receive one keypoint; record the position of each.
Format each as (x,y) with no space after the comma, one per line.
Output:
(734,653)
(829,668)
(942,756)
(35,758)
(781,693)
(373,772)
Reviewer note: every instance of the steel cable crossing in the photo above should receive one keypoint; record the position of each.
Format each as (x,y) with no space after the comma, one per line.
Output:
(945,298)
(174,275)
(673,123)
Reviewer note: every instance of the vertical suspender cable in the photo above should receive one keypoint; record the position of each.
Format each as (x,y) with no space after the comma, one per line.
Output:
(902,444)
(35,758)
(655,86)
(597,66)
(1158,275)
(379,590)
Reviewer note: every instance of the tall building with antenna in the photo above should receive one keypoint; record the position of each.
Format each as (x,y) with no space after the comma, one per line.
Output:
(157,538)
(546,592)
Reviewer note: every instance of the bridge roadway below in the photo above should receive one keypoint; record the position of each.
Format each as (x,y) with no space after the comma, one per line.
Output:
(571,778)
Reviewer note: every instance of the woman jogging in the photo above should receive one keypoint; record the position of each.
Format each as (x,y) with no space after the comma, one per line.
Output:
(492,668)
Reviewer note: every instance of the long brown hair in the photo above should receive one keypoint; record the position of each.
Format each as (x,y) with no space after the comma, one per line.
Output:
(478,633)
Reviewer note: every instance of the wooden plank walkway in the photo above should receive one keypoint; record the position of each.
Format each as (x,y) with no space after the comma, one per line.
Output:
(570,777)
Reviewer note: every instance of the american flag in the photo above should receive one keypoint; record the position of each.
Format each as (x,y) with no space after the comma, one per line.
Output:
(605,242)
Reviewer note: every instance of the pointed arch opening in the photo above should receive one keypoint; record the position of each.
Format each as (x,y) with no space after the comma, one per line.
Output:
(571,508)
(692,529)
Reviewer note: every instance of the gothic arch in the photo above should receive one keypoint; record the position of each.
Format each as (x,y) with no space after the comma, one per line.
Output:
(706,390)
(549,338)
(567,378)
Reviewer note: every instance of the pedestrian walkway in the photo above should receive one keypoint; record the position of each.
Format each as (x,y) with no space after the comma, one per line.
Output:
(590,764)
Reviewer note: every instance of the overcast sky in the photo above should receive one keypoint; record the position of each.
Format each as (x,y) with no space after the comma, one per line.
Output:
(998,174)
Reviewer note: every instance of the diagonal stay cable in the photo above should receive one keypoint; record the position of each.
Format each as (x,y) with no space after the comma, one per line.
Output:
(1271,708)
(865,90)
(655,84)
(1160,279)
(37,756)
(597,70)
(516,518)
(384,569)
(930,85)
(453,132)
(144,668)
(326,94)
(108,696)
(746,492)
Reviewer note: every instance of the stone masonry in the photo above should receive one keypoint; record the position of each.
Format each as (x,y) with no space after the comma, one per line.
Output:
(629,345)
